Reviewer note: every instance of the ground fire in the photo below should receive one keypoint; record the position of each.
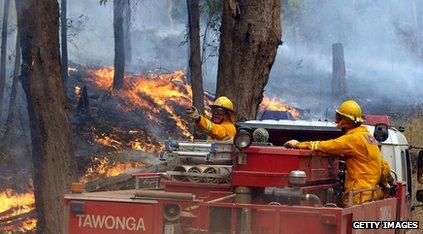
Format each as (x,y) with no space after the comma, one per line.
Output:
(161,90)
(104,167)
(277,105)
(17,212)
(156,96)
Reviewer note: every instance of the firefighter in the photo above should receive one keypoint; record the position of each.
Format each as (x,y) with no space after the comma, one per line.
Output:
(221,126)
(358,146)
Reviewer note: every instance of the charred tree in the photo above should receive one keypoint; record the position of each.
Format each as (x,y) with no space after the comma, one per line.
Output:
(83,102)
(12,103)
(339,87)
(249,38)
(64,37)
(119,44)
(127,32)
(53,155)
(3,51)
(195,54)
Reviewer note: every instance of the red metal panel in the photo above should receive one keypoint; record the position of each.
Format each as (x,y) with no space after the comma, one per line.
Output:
(404,211)
(376,119)
(381,210)
(264,221)
(201,190)
(113,217)
(288,219)
(270,166)
(305,219)
(386,209)
(311,223)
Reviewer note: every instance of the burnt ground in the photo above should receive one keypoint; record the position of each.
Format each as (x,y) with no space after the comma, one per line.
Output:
(105,131)
(107,119)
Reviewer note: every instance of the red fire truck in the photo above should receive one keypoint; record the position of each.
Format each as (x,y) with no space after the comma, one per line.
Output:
(252,186)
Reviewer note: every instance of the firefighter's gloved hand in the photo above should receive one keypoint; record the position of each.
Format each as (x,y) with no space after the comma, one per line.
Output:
(292,144)
(386,180)
(192,112)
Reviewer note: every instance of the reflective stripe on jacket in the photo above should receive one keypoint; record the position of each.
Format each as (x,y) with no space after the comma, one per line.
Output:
(220,132)
(362,156)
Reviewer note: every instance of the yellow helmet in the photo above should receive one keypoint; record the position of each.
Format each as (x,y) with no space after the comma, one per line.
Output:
(224,102)
(351,110)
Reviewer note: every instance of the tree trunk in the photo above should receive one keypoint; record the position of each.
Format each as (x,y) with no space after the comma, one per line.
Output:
(127,32)
(64,36)
(195,55)
(194,72)
(3,52)
(53,155)
(249,38)
(12,103)
(339,87)
(119,44)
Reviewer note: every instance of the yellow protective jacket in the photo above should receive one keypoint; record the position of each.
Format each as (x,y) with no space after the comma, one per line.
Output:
(362,156)
(224,131)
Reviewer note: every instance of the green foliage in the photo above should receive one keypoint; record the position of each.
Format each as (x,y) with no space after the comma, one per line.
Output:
(103,2)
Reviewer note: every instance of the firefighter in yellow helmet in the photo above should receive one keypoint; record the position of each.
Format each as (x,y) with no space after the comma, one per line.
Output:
(221,126)
(358,146)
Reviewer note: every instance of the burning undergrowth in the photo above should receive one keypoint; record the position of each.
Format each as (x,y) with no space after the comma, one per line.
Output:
(116,131)
(148,109)
(112,130)
(17,212)
(111,124)
(278,105)
(103,166)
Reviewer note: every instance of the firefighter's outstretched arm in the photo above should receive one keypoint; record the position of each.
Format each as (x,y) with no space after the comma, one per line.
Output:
(216,131)
(340,145)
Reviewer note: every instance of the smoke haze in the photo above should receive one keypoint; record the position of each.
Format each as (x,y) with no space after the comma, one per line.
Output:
(382,46)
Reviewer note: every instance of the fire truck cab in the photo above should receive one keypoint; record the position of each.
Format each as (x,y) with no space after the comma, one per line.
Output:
(251,186)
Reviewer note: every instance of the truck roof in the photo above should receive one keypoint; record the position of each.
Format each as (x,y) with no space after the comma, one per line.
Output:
(311,125)
(395,136)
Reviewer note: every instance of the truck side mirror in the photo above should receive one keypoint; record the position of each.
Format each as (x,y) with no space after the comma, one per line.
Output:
(381,132)
(420,167)
(419,195)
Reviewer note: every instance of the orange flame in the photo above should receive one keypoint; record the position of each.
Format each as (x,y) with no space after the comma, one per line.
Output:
(111,140)
(17,204)
(28,225)
(136,145)
(161,90)
(24,202)
(107,140)
(104,168)
(277,105)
